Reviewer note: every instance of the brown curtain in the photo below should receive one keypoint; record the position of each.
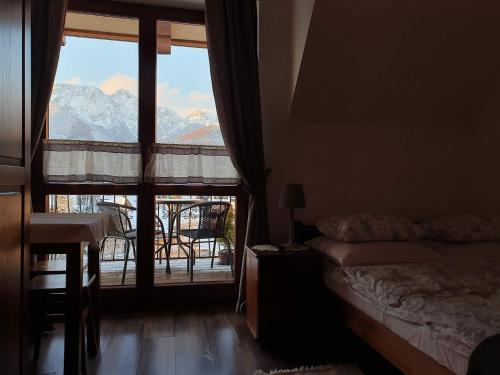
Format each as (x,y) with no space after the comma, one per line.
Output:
(47,26)
(232,50)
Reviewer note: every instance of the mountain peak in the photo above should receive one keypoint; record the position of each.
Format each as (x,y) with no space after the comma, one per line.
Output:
(204,117)
(82,112)
(124,93)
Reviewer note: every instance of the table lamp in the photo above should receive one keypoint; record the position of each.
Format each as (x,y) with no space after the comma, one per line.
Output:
(292,197)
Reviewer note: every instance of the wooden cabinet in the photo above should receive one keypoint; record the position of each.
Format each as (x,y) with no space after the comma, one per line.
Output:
(15,126)
(282,290)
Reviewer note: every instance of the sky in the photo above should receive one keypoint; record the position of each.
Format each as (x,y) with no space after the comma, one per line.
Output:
(183,77)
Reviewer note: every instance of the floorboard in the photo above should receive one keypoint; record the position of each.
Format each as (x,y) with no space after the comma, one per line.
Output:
(204,341)
(122,352)
(157,356)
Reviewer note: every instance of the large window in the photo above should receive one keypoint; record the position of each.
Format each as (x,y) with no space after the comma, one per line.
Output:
(189,148)
(93,141)
(93,128)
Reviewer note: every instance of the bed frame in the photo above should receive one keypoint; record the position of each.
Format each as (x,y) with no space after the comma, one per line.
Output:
(392,347)
(396,350)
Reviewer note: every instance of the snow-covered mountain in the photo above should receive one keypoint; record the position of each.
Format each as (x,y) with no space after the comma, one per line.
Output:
(203,117)
(81,112)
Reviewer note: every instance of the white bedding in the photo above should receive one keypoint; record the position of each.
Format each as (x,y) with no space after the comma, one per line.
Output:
(414,334)
(441,310)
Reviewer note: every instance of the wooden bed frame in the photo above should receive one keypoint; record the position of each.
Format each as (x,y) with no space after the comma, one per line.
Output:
(392,347)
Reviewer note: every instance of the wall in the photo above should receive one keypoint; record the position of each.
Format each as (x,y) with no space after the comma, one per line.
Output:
(392,108)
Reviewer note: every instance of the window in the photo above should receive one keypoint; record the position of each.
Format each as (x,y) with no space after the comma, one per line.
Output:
(185,103)
(179,216)
(189,146)
(114,249)
(93,138)
(95,91)
(93,110)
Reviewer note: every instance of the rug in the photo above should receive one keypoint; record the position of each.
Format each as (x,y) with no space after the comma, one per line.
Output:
(316,370)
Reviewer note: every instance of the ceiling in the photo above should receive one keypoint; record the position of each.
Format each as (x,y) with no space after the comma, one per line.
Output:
(399,63)
(78,23)
(186,4)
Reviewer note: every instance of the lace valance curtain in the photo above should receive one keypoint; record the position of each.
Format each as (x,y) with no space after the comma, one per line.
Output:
(188,164)
(87,161)
(121,163)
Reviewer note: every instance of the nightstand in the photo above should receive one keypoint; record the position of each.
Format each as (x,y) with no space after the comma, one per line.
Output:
(282,289)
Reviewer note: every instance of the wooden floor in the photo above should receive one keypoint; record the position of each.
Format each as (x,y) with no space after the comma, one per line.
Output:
(207,341)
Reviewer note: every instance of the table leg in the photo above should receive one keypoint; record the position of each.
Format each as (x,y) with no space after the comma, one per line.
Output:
(94,265)
(73,319)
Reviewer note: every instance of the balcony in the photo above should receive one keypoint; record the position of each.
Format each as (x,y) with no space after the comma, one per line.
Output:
(113,253)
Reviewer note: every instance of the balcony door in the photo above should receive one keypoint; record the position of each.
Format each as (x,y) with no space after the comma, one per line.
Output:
(132,121)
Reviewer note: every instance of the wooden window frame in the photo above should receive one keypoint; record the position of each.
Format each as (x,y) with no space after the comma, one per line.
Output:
(145,292)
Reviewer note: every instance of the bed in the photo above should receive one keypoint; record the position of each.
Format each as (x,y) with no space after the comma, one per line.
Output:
(401,321)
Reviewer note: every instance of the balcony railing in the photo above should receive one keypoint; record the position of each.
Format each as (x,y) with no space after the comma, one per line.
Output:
(113,252)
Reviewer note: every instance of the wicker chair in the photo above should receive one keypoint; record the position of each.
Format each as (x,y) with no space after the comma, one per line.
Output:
(118,213)
(211,225)
(123,225)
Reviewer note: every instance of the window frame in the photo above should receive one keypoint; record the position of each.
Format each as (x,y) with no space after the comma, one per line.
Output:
(145,291)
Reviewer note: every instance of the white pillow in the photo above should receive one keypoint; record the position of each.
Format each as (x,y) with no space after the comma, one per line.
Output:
(370,253)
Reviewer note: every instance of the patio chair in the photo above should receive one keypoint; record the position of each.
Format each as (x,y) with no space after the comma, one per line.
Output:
(211,226)
(118,213)
(124,229)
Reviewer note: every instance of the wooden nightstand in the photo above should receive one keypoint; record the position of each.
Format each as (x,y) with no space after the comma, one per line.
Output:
(282,289)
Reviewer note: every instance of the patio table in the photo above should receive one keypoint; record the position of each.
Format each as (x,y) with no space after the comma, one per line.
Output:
(173,206)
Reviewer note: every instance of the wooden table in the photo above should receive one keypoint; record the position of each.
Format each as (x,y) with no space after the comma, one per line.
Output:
(52,233)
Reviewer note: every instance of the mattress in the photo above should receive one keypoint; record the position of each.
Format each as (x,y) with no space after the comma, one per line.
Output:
(416,335)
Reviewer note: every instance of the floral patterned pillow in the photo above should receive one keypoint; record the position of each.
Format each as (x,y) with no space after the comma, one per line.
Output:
(361,227)
(461,228)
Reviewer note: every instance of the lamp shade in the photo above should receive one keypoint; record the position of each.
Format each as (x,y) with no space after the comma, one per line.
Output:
(292,196)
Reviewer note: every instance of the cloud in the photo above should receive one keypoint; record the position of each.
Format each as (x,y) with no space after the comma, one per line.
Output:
(174,98)
(119,81)
(73,81)
(166,94)
(197,96)
(166,89)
